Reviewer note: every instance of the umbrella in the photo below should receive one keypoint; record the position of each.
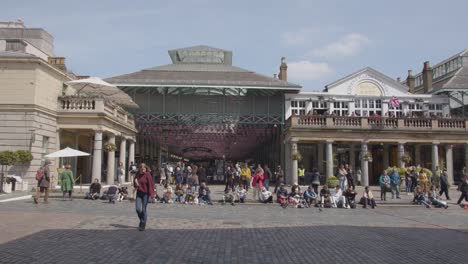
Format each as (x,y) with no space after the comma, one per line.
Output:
(96,86)
(67,152)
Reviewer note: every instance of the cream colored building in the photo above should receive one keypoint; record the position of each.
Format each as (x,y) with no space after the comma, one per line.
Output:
(353,121)
(38,112)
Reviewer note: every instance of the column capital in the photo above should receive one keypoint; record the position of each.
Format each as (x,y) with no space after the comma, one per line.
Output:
(329,141)
(402,142)
(293,140)
(436,143)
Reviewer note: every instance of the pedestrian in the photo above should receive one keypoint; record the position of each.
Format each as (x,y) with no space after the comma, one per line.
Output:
(145,191)
(395,183)
(66,182)
(444,185)
(278,177)
(342,176)
(384,185)
(408,181)
(162,175)
(301,175)
(267,176)
(202,174)
(422,180)
(436,178)
(414,179)
(246,176)
(229,179)
(463,188)
(121,173)
(43,182)
(315,180)
(349,176)
(133,171)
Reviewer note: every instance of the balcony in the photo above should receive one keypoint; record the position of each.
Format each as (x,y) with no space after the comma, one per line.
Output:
(377,123)
(72,106)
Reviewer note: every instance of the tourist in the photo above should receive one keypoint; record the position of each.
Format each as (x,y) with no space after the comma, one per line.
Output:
(337,197)
(384,185)
(414,179)
(342,176)
(67,182)
(278,177)
(170,174)
(433,198)
(257,182)
(145,192)
(350,197)
(204,194)
(267,176)
(349,176)
(421,197)
(444,184)
(43,182)
(178,176)
(422,180)
(179,192)
(123,193)
(195,181)
(310,196)
(436,178)
(162,175)
(228,197)
(408,181)
(282,194)
(395,183)
(189,194)
(94,190)
(241,194)
(167,194)
(463,188)
(246,177)
(325,197)
(237,171)
(229,179)
(368,198)
(121,173)
(315,180)
(294,195)
(301,175)
(266,196)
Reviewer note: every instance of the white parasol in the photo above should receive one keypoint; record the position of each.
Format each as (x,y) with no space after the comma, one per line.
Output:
(67,152)
(96,86)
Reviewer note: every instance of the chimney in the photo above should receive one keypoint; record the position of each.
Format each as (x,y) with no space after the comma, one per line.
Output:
(15,45)
(410,81)
(427,77)
(58,62)
(283,75)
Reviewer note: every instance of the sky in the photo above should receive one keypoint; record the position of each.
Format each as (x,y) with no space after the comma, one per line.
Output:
(322,41)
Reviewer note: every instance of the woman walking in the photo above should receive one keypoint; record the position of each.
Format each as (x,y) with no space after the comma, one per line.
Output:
(67,181)
(145,191)
(384,185)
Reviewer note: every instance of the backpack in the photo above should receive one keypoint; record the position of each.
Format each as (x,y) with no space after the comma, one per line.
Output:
(39,174)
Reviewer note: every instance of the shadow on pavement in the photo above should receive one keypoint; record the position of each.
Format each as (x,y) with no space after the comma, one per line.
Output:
(313,244)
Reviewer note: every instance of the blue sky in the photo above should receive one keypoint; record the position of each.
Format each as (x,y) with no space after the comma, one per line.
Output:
(322,40)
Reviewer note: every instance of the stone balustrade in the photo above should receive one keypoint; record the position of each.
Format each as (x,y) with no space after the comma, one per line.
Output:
(73,104)
(377,123)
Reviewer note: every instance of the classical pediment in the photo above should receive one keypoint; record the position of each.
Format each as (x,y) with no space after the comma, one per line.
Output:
(367,82)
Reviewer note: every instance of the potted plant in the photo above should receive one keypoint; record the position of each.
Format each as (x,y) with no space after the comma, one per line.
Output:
(406,158)
(7,158)
(297,156)
(332,181)
(367,156)
(108,147)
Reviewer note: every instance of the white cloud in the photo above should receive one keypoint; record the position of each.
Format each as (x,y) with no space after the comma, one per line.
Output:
(306,70)
(347,46)
(299,37)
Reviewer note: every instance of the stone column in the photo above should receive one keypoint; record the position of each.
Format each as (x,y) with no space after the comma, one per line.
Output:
(97,155)
(401,152)
(123,152)
(385,108)
(417,154)
(294,162)
(435,155)
(364,165)
(131,152)
(329,154)
(320,157)
(352,157)
(111,162)
(385,156)
(351,108)
(449,162)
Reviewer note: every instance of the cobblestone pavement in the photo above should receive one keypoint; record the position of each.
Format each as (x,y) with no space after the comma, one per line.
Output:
(83,231)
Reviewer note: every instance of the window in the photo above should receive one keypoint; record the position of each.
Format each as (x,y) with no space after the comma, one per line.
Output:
(435,110)
(368,107)
(395,111)
(298,107)
(340,108)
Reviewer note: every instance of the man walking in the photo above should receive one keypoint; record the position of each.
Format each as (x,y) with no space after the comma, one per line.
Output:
(464,190)
(444,185)
(279,178)
(268,176)
(395,183)
(43,182)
